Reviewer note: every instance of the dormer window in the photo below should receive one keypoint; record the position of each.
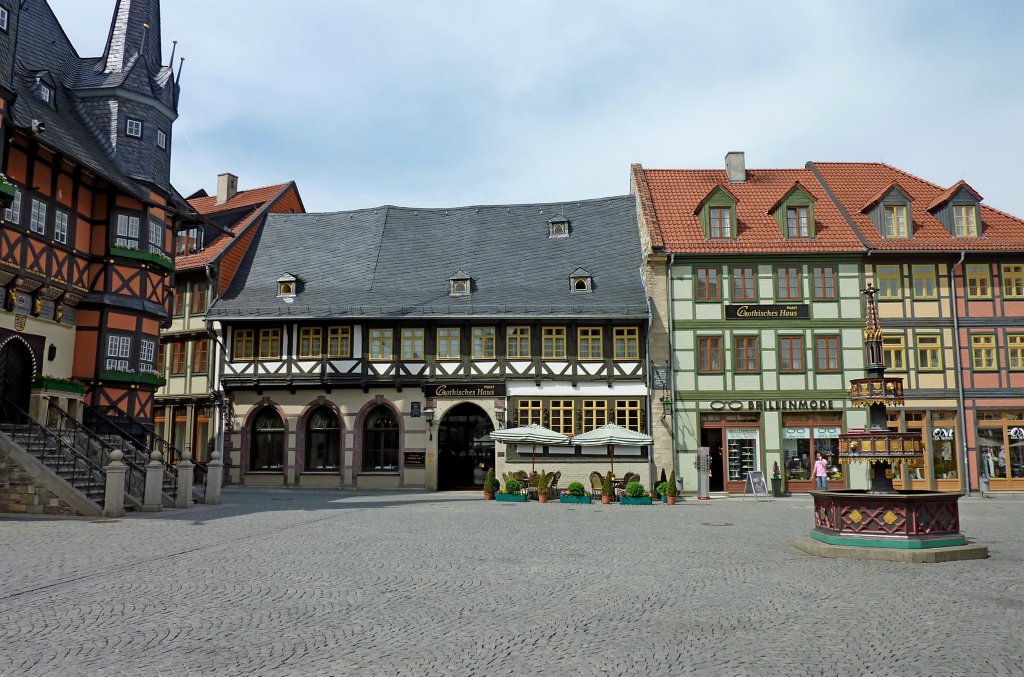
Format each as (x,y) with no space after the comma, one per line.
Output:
(721,222)
(286,287)
(134,128)
(558,227)
(795,213)
(717,213)
(895,217)
(581,281)
(460,284)
(965,222)
(889,211)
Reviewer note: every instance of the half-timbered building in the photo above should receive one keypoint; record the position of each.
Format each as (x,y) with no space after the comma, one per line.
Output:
(208,253)
(378,348)
(85,257)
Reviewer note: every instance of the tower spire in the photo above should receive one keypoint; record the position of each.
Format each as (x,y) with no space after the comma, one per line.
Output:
(134,33)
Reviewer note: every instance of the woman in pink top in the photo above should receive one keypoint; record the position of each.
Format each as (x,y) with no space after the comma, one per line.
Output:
(820,473)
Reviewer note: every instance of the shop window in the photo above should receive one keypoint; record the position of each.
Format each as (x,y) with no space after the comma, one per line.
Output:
(826,353)
(198,304)
(801,444)
(627,343)
(412,343)
(992,448)
(979,281)
(791,353)
(628,414)
(720,222)
(242,344)
(923,277)
(200,357)
(743,282)
(890,282)
(270,344)
(266,449)
(824,279)
(381,345)
(1013,280)
(323,441)
(895,221)
(983,352)
(595,414)
(1015,351)
(380,440)
(448,343)
(588,343)
(339,342)
(707,285)
(179,356)
(561,415)
(787,283)
(709,351)
(529,412)
(311,342)
(965,223)
(553,343)
(894,352)
(929,353)
(746,354)
(484,343)
(517,342)
(741,449)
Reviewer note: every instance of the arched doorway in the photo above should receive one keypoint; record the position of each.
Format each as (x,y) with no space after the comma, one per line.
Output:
(464,450)
(15,378)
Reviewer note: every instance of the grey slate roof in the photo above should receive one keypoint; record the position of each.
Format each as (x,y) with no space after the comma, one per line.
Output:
(397,262)
(43,48)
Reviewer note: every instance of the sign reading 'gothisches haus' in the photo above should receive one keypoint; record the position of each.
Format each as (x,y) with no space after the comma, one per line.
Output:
(794,311)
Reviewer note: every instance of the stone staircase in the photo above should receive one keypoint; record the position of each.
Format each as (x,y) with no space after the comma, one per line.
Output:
(81,474)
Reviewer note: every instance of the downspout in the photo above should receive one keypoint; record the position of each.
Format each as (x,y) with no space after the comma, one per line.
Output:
(671,359)
(651,469)
(219,396)
(965,476)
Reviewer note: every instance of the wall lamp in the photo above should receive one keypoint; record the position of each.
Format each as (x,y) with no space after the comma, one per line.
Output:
(428,415)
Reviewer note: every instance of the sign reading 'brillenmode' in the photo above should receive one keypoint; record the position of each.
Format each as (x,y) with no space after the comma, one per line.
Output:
(795,311)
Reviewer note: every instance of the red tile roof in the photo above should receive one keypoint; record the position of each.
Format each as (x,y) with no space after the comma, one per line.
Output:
(675,194)
(948,194)
(256,197)
(856,183)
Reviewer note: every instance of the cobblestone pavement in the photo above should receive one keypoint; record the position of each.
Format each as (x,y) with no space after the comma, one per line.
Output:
(281,582)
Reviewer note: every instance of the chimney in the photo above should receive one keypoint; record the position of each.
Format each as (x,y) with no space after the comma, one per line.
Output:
(227,187)
(735,167)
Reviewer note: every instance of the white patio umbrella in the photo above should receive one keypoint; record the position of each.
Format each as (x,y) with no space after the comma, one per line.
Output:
(534,434)
(611,435)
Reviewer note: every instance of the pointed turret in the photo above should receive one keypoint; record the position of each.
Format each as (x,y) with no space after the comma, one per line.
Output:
(134,34)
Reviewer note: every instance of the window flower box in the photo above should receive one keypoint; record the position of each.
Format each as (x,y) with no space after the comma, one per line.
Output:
(63,385)
(569,498)
(131,377)
(7,191)
(510,498)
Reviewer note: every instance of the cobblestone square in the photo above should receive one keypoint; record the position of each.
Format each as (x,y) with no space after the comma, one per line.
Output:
(279,582)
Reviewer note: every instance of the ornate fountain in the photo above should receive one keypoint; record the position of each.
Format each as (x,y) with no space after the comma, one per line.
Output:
(890,520)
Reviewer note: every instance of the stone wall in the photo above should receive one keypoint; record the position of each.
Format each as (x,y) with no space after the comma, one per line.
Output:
(19,493)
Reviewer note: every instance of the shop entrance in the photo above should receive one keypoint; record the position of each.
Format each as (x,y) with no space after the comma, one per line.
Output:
(464,448)
(712,439)
(15,378)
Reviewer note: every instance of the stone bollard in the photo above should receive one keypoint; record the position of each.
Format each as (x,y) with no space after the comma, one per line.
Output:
(154,501)
(214,478)
(186,468)
(113,499)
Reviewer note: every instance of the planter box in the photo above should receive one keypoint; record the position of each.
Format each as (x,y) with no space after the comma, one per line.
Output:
(6,194)
(638,500)
(125,377)
(574,499)
(510,498)
(139,255)
(60,386)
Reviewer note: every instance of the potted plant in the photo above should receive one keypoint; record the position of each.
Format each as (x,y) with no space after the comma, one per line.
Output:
(776,481)
(661,491)
(7,191)
(513,492)
(542,487)
(491,485)
(607,489)
(670,489)
(575,493)
(635,495)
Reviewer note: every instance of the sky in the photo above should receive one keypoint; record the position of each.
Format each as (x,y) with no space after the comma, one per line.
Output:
(434,103)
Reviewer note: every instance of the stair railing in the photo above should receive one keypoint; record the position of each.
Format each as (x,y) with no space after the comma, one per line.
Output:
(133,445)
(98,449)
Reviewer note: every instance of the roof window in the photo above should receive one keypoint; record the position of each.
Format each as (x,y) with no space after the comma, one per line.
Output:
(287,285)
(45,93)
(558,227)
(5,17)
(460,284)
(581,281)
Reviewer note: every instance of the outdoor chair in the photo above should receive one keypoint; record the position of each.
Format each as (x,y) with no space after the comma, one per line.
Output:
(553,484)
(532,484)
(595,484)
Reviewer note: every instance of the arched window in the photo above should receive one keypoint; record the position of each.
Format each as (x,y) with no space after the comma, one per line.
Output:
(380,441)
(323,441)
(266,449)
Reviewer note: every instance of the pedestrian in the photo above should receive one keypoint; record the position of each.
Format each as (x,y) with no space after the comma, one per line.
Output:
(821,473)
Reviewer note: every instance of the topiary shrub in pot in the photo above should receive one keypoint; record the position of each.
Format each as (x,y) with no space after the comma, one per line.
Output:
(542,487)
(670,489)
(575,493)
(491,485)
(607,489)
